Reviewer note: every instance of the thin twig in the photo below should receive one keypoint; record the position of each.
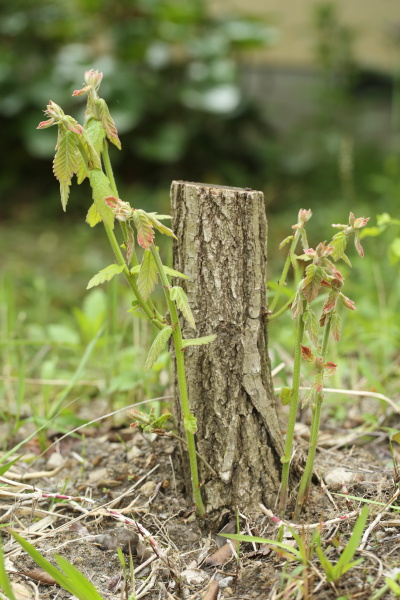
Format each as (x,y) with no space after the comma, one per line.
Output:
(368,531)
(280,522)
(355,393)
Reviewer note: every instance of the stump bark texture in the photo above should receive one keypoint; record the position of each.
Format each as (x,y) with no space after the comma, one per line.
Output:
(221,247)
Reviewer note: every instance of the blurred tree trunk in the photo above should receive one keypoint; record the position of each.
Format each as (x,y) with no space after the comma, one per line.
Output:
(221,247)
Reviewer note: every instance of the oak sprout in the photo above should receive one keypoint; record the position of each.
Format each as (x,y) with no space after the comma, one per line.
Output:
(83,151)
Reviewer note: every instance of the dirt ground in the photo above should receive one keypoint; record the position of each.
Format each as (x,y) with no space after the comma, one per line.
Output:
(138,478)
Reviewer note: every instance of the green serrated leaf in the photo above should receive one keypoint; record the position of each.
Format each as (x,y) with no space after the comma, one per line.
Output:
(311,326)
(148,275)
(178,295)
(101,189)
(159,422)
(65,162)
(199,341)
(93,217)
(135,270)
(105,275)
(174,273)
(96,133)
(81,169)
(160,226)
(312,281)
(92,141)
(190,424)
(157,347)
(285,396)
(339,243)
(92,156)
(103,115)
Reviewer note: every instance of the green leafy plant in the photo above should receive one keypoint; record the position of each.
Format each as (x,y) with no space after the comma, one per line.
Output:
(68,577)
(334,572)
(320,273)
(83,151)
(303,553)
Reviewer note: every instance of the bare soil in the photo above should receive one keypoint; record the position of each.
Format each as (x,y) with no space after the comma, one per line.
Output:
(138,478)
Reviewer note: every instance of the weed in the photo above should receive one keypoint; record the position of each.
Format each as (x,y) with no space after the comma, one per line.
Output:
(68,577)
(344,564)
(131,578)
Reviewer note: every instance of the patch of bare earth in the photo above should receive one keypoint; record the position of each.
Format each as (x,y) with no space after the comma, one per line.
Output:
(125,491)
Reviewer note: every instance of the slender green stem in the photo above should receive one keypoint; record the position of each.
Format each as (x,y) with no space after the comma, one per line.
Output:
(282,280)
(283,309)
(315,424)
(180,369)
(294,401)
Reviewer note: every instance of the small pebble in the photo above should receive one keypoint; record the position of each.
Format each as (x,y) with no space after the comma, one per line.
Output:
(225,582)
(134,453)
(194,576)
(147,488)
(55,460)
(339,475)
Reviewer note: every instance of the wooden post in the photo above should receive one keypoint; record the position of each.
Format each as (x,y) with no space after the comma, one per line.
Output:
(221,247)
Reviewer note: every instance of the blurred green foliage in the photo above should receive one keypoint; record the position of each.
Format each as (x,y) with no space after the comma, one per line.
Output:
(170,78)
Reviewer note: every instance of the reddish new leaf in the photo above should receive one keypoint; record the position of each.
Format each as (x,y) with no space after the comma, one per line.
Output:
(144,228)
(357,244)
(330,368)
(330,302)
(335,326)
(307,354)
(347,302)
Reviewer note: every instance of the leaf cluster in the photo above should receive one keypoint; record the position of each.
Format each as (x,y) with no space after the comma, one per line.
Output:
(334,572)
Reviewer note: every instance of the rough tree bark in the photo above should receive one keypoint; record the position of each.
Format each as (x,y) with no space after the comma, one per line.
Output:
(222,234)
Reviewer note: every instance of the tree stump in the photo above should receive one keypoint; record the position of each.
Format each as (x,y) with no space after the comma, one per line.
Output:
(221,247)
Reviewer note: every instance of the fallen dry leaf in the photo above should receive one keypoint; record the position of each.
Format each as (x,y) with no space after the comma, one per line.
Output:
(221,556)
(39,575)
(211,592)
